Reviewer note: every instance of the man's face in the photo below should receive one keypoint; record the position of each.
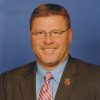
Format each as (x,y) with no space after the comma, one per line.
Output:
(50,51)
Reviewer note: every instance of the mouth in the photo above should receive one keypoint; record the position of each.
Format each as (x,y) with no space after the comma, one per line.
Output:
(49,51)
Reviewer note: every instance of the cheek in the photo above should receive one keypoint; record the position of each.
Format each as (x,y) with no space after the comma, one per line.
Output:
(63,43)
(34,44)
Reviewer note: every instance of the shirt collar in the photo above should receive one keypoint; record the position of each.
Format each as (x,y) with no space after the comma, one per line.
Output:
(57,72)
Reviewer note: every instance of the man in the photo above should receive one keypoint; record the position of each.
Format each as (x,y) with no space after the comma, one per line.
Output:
(54,75)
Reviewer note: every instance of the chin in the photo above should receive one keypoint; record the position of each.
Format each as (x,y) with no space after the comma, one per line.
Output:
(51,63)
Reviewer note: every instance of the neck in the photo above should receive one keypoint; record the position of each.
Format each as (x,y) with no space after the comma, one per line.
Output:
(51,66)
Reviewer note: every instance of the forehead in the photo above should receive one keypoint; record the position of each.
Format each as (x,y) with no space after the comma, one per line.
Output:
(49,21)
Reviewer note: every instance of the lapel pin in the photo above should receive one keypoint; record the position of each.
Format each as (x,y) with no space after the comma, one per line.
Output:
(67,82)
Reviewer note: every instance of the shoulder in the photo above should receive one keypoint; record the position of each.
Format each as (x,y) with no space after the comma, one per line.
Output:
(87,69)
(19,72)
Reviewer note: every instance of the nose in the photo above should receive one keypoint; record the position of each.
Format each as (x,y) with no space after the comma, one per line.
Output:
(48,39)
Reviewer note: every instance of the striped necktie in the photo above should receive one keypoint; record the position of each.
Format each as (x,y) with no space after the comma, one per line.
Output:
(46,90)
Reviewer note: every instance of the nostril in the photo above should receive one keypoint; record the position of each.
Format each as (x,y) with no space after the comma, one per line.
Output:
(48,40)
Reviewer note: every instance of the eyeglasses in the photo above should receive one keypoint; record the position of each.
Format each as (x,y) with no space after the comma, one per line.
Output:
(53,34)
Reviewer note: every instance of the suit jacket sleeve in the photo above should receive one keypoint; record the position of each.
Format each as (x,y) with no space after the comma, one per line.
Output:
(1,89)
(98,94)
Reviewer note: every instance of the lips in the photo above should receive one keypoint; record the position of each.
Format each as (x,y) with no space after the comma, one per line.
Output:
(49,51)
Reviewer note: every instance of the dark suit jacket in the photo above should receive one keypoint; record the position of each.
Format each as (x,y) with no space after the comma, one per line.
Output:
(84,82)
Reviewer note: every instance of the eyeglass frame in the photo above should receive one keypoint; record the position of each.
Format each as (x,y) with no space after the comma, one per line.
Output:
(60,32)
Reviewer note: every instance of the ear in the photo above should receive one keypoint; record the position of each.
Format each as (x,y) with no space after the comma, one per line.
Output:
(70,35)
(30,37)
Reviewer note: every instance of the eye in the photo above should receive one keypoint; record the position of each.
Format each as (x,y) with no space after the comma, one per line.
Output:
(38,33)
(57,32)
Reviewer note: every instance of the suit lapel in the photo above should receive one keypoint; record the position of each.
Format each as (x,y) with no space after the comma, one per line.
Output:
(67,82)
(28,86)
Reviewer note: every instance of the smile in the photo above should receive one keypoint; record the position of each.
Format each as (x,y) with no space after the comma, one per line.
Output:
(49,51)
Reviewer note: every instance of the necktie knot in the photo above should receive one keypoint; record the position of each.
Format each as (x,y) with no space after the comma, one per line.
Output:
(48,76)
(46,90)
